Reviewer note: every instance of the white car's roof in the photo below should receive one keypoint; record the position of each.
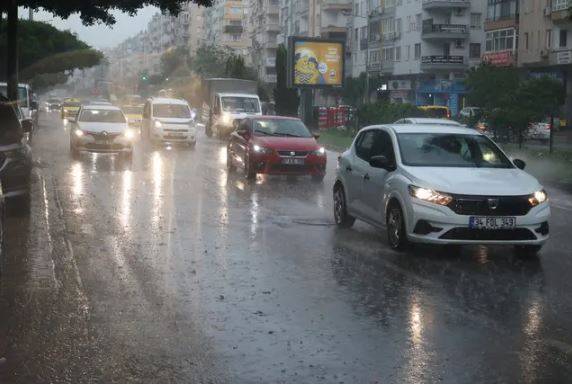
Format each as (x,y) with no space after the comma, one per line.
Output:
(100,107)
(238,95)
(429,128)
(434,121)
(169,101)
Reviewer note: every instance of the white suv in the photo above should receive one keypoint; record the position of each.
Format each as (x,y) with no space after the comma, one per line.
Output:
(439,184)
(167,120)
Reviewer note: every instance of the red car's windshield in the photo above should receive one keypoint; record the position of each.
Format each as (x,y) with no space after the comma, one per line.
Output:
(281,127)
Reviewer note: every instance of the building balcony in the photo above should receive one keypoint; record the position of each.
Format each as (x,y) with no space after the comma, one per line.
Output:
(230,28)
(337,5)
(507,22)
(270,78)
(272,27)
(270,62)
(333,32)
(560,57)
(387,67)
(561,11)
(363,44)
(445,4)
(445,31)
(443,62)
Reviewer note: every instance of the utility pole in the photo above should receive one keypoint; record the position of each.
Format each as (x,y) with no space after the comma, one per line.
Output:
(12,51)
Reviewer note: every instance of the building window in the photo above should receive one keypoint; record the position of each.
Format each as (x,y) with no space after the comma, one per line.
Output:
(548,41)
(459,44)
(417,51)
(397,53)
(500,40)
(526,41)
(563,38)
(408,53)
(475,21)
(475,50)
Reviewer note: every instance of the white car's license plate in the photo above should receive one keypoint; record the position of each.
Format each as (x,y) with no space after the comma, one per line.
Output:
(101,142)
(296,161)
(492,223)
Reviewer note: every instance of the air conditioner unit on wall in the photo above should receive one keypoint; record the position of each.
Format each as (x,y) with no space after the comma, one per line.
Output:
(547,11)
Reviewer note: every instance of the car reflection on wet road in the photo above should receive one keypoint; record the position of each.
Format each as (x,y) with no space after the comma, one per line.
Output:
(168,269)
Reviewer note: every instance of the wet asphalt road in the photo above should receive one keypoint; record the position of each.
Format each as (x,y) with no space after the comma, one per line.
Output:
(168,269)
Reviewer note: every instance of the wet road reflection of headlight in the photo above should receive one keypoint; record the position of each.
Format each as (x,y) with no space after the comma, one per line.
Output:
(78,133)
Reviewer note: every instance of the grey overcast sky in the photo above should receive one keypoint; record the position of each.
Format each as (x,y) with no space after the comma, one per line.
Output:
(101,36)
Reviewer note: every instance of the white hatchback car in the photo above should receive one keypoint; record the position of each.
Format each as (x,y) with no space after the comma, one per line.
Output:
(440,185)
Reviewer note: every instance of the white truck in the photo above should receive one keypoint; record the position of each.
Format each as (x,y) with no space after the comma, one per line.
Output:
(226,100)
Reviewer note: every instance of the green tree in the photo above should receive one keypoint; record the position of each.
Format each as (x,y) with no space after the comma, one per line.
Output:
(175,62)
(354,90)
(48,52)
(235,68)
(209,61)
(286,99)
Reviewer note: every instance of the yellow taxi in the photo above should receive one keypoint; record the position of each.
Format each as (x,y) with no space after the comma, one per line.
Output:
(440,112)
(134,114)
(70,107)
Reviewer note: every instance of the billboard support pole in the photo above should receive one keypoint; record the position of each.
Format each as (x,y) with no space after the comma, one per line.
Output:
(307,105)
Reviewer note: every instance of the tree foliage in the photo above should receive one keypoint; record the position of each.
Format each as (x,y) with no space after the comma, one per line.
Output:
(94,11)
(286,99)
(511,103)
(175,62)
(209,61)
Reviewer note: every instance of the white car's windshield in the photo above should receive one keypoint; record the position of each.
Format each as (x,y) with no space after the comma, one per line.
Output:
(180,111)
(281,127)
(102,116)
(240,104)
(135,110)
(450,150)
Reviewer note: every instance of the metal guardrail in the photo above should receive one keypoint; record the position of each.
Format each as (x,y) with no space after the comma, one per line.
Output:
(445,28)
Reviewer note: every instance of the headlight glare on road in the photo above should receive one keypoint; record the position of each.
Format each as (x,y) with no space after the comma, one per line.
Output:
(158,124)
(537,198)
(78,133)
(430,196)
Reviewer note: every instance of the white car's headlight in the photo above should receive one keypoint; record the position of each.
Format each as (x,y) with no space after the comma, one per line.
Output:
(226,119)
(320,151)
(158,124)
(261,150)
(537,198)
(78,133)
(129,134)
(430,196)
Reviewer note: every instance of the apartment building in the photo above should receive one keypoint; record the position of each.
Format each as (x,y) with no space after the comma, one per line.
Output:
(422,48)
(502,32)
(196,25)
(226,25)
(314,18)
(545,42)
(264,24)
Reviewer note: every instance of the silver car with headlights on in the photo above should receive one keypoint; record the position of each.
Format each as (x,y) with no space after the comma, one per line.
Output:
(100,128)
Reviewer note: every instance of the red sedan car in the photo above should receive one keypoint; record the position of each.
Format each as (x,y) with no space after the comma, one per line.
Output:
(275,145)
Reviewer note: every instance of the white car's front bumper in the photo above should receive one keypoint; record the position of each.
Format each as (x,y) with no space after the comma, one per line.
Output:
(447,227)
(174,134)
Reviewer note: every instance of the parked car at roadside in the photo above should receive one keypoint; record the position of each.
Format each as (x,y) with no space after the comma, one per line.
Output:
(539,131)
(15,156)
(439,185)
(275,145)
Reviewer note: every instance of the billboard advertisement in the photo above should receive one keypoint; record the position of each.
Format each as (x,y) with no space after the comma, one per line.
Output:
(315,63)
